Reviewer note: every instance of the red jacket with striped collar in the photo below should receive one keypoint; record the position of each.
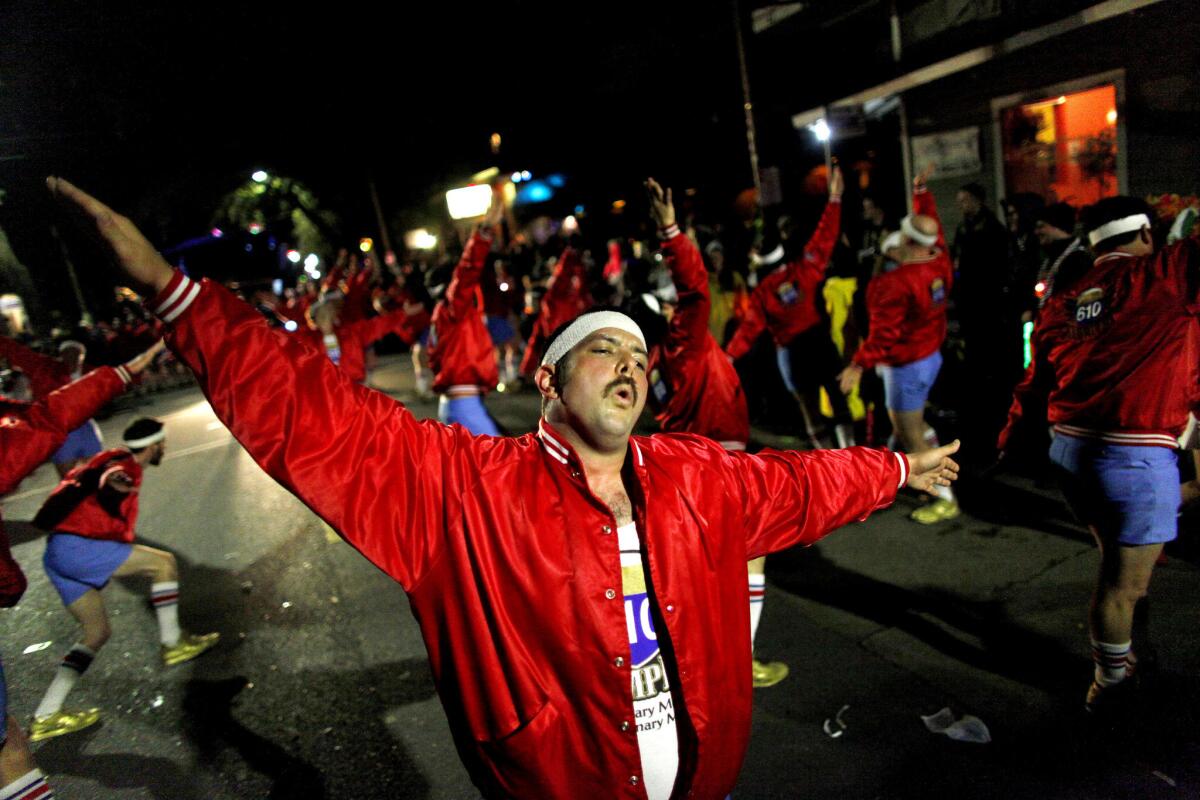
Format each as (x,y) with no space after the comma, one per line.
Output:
(510,561)
(1113,351)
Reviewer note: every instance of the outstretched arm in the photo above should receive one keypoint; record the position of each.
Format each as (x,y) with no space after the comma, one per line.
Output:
(355,456)
(820,245)
(798,497)
(45,373)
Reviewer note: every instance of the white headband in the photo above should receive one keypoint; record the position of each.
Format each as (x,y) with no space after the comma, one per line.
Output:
(1117,227)
(909,230)
(146,441)
(584,326)
(893,240)
(773,257)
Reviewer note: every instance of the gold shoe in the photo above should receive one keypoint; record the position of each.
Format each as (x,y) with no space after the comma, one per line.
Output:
(62,722)
(768,674)
(188,647)
(936,511)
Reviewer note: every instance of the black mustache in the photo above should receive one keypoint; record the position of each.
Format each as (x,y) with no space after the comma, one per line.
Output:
(622,382)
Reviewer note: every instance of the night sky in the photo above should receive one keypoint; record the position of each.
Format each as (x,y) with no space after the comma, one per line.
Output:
(162,111)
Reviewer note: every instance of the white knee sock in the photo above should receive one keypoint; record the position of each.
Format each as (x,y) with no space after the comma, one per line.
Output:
(30,786)
(165,597)
(758,588)
(74,664)
(1112,661)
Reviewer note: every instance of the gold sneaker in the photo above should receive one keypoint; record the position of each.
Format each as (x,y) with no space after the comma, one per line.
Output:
(188,647)
(936,511)
(768,674)
(62,722)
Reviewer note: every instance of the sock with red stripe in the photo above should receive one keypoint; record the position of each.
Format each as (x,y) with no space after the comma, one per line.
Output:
(165,597)
(30,786)
(758,589)
(74,664)
(1112,662)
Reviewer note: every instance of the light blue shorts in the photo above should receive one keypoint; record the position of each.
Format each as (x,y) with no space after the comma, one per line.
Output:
(500,329)
(469,412)
(1130,494)
(906,388)
(82,443)
(75,564)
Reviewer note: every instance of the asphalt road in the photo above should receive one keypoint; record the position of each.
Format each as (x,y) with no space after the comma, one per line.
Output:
(320,687)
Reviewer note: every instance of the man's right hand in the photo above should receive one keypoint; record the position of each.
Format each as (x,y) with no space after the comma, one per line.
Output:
(122,241)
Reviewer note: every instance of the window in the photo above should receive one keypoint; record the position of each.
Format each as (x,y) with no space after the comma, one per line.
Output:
(1063,147)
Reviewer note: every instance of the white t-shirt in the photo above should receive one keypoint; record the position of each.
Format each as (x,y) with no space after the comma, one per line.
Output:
(332,348)
(653,709)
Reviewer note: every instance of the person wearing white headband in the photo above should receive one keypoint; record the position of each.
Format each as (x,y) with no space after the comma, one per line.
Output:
(91,516)
(907,325)
(512,549)
(1114,369)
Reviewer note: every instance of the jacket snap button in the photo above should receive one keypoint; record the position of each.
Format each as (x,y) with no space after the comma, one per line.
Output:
(610,593)
(618,661)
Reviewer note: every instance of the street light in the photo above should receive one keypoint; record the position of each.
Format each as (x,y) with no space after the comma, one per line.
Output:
(311,261)
(821,130)
(260,176)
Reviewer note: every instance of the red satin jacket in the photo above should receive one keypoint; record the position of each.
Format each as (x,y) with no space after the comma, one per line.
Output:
(106,513)
(45,373)
(693,386)
(512,564)
(566,298)
(785,301)
(30,432)
(1113,350)
(461,352)
(355,337)
(907,306)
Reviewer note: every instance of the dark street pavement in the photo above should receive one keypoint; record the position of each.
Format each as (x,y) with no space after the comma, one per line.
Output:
(320,686)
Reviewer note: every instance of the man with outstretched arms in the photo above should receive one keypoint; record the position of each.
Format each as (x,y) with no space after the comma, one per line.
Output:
(29,433)
(461,354)
(694,387)
(785,303)
(1111,350)
(907,312)
(511,549)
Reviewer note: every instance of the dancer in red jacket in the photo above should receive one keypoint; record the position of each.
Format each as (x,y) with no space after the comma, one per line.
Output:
(785,303)
(907,310)
(512,549)
(29,432)
(566,296)
(1113,353)
(694,387)
(91,516)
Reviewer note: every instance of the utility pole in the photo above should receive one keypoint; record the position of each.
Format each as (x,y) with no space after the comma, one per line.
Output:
(747,105)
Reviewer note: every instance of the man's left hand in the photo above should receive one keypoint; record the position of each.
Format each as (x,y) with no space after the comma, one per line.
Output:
(849,377)
(933,468)
(661,206)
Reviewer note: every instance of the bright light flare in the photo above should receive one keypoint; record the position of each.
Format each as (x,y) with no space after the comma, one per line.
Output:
(469,201)
(311,261)
(216,233)
(420,239)
(821,130)
(290,326)
(255,228)
(1111,116)
(365,244)
(260,176)
(293,256)
(570,224)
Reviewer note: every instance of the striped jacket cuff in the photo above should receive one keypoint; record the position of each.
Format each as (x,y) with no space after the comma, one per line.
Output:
(175,298)
(669,232)
(902,460)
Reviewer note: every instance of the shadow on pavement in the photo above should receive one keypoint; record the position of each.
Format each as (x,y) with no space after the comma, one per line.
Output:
(161,777)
